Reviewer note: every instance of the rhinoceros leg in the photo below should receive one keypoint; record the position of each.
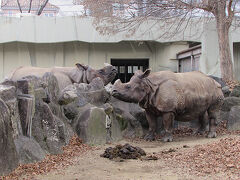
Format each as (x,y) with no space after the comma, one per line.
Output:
(203,120)
(152,122)
(212,123)
(168,120)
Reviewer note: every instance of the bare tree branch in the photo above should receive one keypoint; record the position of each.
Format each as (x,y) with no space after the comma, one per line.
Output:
(5,3)
(172,17)
(42,7)
(19,6)
(30,6)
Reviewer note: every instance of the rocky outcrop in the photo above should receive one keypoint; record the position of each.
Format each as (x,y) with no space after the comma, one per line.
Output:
(225,89)
(8,154)
(32,123)
(131,117)
(84,107)
(28,150)
(9,96)
(229,102)
(42,118)
(91,127)
(233,122)
(230,113)
(235,92)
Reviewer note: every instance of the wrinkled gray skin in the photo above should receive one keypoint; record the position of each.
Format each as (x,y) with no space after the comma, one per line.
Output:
(174,96)
(67,75)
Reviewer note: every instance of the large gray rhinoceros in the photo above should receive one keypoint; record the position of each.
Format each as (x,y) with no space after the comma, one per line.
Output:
(67,75)
(174,96)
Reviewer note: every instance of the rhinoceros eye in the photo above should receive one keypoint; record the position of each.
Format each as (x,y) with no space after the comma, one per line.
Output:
(128,86)
(101,71)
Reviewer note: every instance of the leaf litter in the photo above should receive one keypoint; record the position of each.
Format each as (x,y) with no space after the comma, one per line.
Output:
(51,162)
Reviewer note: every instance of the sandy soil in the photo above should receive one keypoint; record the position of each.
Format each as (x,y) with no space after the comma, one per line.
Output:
(91,166)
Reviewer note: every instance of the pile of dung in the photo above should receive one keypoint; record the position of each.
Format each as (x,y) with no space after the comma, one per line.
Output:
(123,151)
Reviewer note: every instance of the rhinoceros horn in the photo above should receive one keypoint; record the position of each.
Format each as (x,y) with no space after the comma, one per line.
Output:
(117,82)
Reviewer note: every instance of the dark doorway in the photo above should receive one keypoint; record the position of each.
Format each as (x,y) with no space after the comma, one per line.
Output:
(127,67)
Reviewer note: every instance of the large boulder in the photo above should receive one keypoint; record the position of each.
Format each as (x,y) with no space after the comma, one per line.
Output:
(91,126)
(77,98)
(234,118)
(8,154)
(225,89)
(131,117)
(229,102)
(28,150)
(236,91)
(41,116)
(9,96)
(48,130)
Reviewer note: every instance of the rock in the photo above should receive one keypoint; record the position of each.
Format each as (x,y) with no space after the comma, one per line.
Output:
(233,122)
(8,95)
(219,80)
(229,102)
(48,130)
(26,107)
(71,111)
(29,151)
(47,125)
(77,98)
(131,118)
(51,87)
(8,154)
(225,89)
(91,127)
(235,92)
(222,116)
(93,93)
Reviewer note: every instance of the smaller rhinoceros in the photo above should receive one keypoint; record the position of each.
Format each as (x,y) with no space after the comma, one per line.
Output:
(67,75)
(174,96)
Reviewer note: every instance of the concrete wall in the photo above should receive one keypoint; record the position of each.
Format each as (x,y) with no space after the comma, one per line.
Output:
(210,59)
(236,55)
(66,29)
(166,55)
(15,54)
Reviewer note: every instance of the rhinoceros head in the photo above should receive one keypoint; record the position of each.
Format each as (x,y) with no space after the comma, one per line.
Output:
(133,91)
(107,73)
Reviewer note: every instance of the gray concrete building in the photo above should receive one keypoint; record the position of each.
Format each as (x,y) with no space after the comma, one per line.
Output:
(64,41)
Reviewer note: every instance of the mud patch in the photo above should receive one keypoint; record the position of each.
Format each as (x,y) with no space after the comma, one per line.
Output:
(124,152)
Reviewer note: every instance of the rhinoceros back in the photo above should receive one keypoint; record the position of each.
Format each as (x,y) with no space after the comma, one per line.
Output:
(21,72)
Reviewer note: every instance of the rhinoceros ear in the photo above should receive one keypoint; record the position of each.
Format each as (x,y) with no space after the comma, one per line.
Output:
(81,66)
(145,74)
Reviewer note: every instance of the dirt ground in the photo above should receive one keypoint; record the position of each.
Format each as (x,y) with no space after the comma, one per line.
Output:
(91,166)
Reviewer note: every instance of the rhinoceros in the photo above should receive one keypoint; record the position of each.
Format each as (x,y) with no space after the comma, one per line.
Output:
(67,75)
(174,96)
